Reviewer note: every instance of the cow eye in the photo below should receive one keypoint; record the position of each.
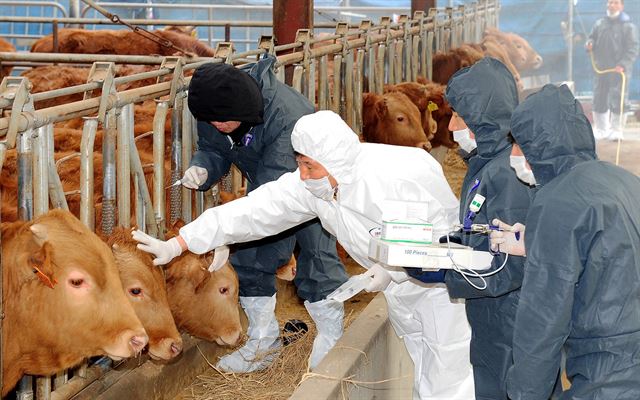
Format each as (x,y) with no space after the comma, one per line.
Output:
(76,283)
(400,118)
(135,291)
(223,290)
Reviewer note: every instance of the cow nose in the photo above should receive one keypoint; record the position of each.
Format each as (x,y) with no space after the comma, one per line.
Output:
(233,338)
(138,342)
(176,348)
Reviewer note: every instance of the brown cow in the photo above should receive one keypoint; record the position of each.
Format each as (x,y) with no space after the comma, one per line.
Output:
(7,48)
(419,96)
(144,285)
(446,64)
(62,299)
(519,51)
(392,118)
(119,42)
(203,303)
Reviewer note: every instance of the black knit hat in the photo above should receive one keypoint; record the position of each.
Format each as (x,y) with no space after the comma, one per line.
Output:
(220,92)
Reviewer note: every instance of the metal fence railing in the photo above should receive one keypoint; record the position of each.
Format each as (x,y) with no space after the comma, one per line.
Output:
(331,71)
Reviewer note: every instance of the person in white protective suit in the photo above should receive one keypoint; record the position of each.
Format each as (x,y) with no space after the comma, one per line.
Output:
(345,183)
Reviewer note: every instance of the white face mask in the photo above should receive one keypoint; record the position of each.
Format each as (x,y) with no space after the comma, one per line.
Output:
(519,164)
(320,188)
(463,138)
(613,15)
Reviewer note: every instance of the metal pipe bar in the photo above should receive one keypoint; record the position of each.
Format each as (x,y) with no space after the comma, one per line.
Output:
(109,138)
(25,178)
(87,208)
(40,173)
(145,219)
(158,165)
(187,151)
(123,160)
(176,158)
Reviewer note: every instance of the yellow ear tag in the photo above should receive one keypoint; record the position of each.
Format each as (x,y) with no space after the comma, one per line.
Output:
(432,106)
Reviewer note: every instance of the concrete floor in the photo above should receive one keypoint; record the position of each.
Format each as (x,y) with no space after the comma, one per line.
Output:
(629,149)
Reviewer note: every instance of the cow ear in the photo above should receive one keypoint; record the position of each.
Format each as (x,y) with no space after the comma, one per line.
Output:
(381,108)
(40,261)
(201,280)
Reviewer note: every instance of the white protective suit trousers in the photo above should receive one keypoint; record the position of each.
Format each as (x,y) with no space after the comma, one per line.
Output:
(437,335)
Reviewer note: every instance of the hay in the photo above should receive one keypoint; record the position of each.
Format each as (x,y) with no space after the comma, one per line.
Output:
(454,170)
(274,383)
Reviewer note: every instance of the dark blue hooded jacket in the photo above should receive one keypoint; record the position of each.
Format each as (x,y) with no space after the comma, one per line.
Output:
(581,286)
(484,96)
(270,154)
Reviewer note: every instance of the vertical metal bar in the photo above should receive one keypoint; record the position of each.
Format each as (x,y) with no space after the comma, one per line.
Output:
(25,388)
(380,69)
(358,88)
(337,83)
(371,68)
(125,130)
(158,165)
(176,158)
(311,81)
(43,388)
(109,139)
(87,206)
(25,178)
(415,58)
(570,43)
(187,151)
(323,83)
(40,173)
(398,61)
(429,59)
(347,110)
(391,64)
(296,83)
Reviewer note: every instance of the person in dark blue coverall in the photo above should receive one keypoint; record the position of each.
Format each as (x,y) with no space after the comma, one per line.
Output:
(245,117)
(581,285)
(483,97)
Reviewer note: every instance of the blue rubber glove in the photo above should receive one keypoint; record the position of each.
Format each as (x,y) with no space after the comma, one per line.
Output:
(427,276)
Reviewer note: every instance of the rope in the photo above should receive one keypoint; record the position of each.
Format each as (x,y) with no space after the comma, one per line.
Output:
(624,79)
(136,29)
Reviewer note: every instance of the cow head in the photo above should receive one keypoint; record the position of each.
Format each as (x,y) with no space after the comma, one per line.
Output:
(144,286)
(63,298)
(203,303)
(521,54)
(392,118)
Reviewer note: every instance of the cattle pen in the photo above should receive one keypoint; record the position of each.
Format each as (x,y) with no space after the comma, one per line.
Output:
(332,70)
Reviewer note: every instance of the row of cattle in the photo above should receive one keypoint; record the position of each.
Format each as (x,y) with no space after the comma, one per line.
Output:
(417,114)
(69,295)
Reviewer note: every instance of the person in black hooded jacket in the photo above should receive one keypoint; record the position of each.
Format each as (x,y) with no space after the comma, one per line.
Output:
(483,97)
(615,45)
(581,286)
(245,117)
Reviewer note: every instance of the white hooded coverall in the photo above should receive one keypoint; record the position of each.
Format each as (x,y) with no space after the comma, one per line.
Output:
(434,328)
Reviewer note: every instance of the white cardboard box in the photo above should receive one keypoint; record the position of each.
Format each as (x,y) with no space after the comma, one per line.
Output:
(409,231)
(428,256)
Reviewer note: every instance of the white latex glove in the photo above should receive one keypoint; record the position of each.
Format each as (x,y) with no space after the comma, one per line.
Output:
(220,257)
(380,278)
(164,251)
(194,177)
(505,241)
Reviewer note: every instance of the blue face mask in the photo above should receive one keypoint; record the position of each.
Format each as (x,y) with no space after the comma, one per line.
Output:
(321,188)
(519,164)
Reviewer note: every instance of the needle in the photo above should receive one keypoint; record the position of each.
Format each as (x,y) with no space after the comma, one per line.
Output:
(176,183)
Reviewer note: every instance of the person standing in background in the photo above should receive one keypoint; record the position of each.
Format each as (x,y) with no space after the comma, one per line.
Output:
(614,43)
